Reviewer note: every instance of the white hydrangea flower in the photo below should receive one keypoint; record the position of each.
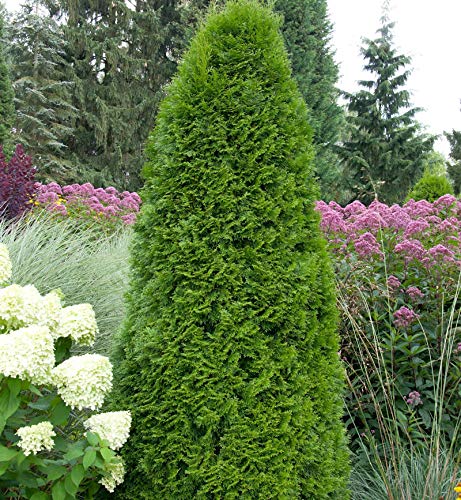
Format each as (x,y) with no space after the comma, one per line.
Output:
(113,476)
(112,426)
(83,381)
(5,264)
(28,353)
(51,307)
(20,306)
(79,323)
(35,438)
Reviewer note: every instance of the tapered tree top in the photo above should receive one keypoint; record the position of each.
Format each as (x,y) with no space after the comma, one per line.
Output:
(228,359)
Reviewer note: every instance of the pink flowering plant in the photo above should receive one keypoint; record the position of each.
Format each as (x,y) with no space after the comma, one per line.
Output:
(398,269)
(104,208)
(51,446)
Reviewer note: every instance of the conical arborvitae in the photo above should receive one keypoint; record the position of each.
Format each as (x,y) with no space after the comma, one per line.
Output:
(228,359)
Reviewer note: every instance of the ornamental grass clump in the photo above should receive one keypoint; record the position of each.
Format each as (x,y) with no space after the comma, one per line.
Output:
(50,447)
(229,357)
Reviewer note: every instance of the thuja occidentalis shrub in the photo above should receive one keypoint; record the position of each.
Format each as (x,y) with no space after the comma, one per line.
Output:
(17,185)
(229,357)
(398,268)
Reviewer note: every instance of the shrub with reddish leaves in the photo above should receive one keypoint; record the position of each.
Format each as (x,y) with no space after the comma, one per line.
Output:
(106,208)
(17,185)
(398,270)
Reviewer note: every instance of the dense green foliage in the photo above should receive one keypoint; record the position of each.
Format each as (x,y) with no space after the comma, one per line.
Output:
(228,359)
(430,187)
(454,168)
(42,80)
(307,31)
(384,150)
(6,91)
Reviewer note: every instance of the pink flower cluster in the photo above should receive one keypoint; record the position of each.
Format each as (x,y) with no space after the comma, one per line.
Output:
(413,399)
(85,200)
(419,231)
(404,317)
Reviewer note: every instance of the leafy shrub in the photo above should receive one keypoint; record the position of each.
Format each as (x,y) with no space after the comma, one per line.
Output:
(44,449)
(107,208)
(229,356)
(430,187)
(398,270)
(17,185)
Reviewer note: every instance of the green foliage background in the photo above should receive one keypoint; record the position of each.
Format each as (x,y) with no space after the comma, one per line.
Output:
(228,359)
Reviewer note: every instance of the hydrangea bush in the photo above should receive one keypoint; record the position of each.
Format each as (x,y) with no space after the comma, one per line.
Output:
(398,269)
(50,447)
(106,208)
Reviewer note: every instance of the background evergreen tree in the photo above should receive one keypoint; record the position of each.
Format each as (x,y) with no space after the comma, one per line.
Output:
(454,167)
(122,54)
(384,151)
(307,33)
(6,89)
(42,81)
(228,359)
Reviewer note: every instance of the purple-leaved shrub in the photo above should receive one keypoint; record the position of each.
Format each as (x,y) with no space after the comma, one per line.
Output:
(398,269)
(17,185)
(106,208)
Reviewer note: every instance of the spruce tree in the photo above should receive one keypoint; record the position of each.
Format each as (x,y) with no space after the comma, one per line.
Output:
(385,149)
(228,359)
(6,89)
(454,167)
(307,33)
(43,83)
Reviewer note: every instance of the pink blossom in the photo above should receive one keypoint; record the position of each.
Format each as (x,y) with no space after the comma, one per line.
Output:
(413,399)
(412,249)
(393,282)
(445,201)
(404,317)
(414,292)
(366,245)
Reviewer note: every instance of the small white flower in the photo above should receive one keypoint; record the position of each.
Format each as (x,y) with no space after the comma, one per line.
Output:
(5,264)
(113,476)
(28,353)
(112,426)
(84,381)
(35,438)
(79,323)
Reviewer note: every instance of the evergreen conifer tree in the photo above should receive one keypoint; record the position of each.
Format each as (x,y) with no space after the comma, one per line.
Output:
(43,82)
(6,89)
(307,33)
(228,359)
(454,167)
(384,151)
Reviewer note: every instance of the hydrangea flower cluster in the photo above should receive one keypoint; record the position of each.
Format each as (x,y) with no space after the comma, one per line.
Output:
(79,323)
(113,426)
(114,476)
(35,438)
(83,381)
(28,354)
(85,201)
